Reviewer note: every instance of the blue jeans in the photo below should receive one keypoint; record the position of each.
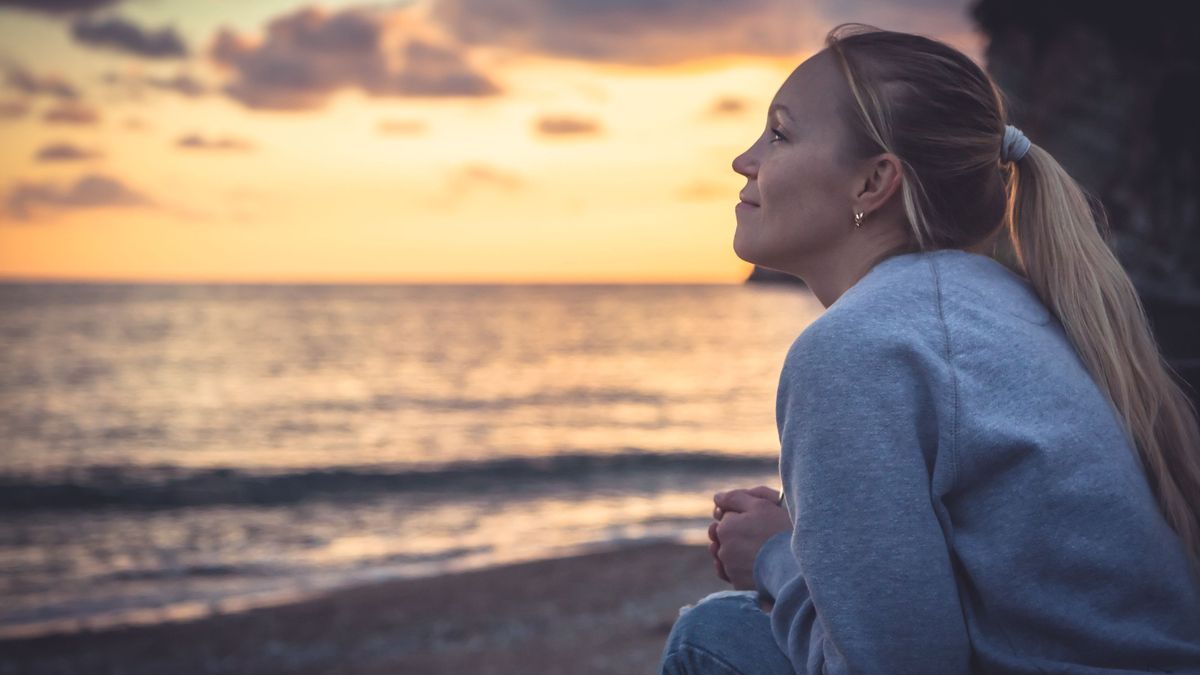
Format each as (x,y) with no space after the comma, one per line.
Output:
(726,632)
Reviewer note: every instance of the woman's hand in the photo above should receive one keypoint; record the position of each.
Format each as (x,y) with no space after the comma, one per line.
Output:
(743,520)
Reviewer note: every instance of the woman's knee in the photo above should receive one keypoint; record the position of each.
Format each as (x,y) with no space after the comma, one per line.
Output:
(715,635)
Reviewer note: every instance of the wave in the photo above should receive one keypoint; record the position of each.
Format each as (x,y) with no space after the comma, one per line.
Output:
(178,487)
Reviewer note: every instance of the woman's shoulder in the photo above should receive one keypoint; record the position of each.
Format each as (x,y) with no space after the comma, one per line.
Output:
(917,294)
(895,302)
(911,303)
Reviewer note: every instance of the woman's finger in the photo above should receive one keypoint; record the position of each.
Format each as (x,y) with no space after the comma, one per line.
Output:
(721,570)
(718,512)
(764,492)
(735,500)
(712,532)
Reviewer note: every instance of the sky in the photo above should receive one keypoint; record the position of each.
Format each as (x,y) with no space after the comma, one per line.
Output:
(427,141)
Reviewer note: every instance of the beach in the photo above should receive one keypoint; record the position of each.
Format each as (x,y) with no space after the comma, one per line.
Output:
(603,612)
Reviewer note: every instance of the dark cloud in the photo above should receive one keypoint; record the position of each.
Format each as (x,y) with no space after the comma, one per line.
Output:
(71,112)
(13,109)
(23,80)
(59,6)
(309,54)
(401,127)
(64,152)
(123,35)
(565,125)
(199,142)
(89,191)
(639,32)
(934,18)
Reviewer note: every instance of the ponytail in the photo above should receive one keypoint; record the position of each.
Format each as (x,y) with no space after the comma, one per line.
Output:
(930,104)
(1058,242)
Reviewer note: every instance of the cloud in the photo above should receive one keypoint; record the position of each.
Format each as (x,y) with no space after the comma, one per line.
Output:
(729,106)
(665,32)
(90,191)
(64,152)
(123,35)
(13,109)
(135,124)
(58,6)
(134,84)
(566,125)
(700,190)
(638,32)
(70,112)
(181,83)
(924,17)
(26,82)
(311,53)
(401,127)
(484,175)
(196,141)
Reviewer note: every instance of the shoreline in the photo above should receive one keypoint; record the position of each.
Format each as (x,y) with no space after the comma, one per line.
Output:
(596,612)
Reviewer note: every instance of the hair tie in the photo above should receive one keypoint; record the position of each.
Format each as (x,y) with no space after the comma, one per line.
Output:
(1014,146)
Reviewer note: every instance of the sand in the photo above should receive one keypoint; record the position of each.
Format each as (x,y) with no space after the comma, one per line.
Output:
(606,612)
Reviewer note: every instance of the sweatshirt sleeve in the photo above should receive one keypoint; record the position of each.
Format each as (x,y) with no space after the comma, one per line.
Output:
(869,587)
(775,565)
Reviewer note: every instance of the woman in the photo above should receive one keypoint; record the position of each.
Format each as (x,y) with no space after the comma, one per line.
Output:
(987,464)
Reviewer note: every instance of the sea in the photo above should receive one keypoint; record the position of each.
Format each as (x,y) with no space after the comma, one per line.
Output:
(169,451)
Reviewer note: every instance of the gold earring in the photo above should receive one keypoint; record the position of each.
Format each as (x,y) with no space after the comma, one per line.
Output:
(858,216)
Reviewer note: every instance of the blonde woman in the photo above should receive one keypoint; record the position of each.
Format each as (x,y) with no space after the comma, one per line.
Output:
(987,465)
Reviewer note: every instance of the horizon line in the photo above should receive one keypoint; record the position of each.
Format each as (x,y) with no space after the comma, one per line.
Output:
(367,282)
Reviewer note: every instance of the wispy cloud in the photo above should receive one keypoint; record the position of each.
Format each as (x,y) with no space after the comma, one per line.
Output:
(26,200)
(567,125)
(729,106)
(198,142)
(72,112)
(700,190)
(309,54)
(134,84)
(65,152)
(25,81)
(401,127)
(123,35)
(13,109)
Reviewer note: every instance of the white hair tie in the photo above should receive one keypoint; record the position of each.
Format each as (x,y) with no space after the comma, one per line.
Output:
(1015,144)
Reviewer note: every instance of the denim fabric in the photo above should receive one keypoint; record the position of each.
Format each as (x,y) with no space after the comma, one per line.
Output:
(724,633)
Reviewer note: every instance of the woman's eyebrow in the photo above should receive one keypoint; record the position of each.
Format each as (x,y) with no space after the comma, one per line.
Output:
(783,114)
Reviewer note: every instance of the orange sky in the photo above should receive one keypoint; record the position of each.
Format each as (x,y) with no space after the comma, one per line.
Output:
(273,140)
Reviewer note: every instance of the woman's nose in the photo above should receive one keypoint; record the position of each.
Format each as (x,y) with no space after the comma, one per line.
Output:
(742,164)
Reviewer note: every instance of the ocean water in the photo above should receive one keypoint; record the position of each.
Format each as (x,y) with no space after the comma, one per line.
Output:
(167,451)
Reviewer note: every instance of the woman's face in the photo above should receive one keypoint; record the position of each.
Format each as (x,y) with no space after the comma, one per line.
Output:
(798,201)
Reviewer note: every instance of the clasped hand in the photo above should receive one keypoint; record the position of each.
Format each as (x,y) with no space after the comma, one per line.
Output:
(742,521)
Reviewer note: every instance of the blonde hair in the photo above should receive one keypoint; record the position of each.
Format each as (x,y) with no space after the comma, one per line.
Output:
(944,118)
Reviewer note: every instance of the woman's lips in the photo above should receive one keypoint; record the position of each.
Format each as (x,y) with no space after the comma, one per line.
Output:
(746,204)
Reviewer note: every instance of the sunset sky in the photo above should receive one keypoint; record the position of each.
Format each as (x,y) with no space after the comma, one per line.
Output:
(430,141)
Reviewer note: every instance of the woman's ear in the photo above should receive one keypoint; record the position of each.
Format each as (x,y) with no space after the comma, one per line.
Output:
(880,178)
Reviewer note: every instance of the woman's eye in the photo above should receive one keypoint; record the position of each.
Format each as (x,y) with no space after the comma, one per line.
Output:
(776,132)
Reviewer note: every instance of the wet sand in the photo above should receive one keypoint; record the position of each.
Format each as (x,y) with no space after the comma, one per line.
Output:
(606,612)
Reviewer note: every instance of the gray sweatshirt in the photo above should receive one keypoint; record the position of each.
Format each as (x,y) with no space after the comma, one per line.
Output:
(963,495)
